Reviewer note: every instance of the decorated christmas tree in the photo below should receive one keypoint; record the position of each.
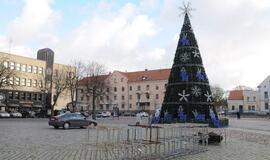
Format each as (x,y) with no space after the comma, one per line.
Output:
(188,96)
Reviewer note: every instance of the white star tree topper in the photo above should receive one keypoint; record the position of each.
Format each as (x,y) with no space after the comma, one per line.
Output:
(183,96)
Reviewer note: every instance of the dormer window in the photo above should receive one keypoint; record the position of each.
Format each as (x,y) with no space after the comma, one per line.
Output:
(144,78)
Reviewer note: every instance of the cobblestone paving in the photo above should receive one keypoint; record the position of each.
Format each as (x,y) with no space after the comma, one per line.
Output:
(33,139)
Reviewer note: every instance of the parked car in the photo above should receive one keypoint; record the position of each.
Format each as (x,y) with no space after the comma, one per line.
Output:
(127,114)
(142,114)
(28,114)
(106,114)
(4,114)
(98,114)
(15,114)
(68,120)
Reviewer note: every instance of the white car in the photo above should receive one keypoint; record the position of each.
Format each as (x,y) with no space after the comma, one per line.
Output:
(142,114)
(106,114)
(4,114)
(15,114)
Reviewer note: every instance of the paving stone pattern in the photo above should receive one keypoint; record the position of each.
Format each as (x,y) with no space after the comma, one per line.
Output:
(33,139)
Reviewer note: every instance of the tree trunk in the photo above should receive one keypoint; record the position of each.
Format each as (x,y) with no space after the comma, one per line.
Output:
(93,104)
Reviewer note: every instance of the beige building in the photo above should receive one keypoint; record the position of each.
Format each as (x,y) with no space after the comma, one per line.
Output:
(244,101)
(32,90)
(128,91)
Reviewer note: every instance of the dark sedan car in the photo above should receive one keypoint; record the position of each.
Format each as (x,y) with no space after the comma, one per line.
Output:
(68,120)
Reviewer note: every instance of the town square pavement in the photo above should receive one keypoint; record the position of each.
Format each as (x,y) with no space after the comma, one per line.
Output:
(31,139)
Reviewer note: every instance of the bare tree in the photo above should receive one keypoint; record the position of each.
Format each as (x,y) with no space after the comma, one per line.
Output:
(76,72)
(95,83)
(219,97)
(7,75)
(59,85)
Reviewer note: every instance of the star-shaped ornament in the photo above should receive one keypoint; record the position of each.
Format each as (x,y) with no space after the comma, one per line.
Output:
(208,96)
(196,54)
(183,96)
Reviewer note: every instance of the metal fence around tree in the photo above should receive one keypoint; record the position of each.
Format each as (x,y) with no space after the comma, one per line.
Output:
(146,141)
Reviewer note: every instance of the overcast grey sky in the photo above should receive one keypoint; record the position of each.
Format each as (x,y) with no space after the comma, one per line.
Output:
(233,35)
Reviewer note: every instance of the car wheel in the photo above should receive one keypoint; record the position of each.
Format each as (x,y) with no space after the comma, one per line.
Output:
(66,125)
(56,127)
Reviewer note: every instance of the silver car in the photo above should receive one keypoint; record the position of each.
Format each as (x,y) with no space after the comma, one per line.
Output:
(4,114)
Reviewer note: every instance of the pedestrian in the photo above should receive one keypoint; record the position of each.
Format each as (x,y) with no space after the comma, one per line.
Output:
(238,115)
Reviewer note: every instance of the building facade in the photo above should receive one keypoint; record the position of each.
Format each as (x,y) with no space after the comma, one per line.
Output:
(32,83)
(243,101)
(264,90)
(128,91)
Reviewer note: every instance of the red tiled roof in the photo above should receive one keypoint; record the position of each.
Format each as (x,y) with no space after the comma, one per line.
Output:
(236,95)
(148,75)
(86,80)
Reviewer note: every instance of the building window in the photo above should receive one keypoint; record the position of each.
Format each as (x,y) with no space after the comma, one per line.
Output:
(11,80)
(40,70)
(101,98)
(123,89)
(115,97)
(266,106)
(17,81)
(10,95)
(107,106)
(81,90)
(16,95)
(123,97)
(82,98)
(24,67)
(115,89)
(40,84)
(6,64)
(122,79)
(249,108)
(12,65)
(40,97)
(233,107)
(147,95)
(123,105)
(29,82)
(157,88)
(22,95)
(107,97)
(130,97)
(18,66)
(130,88)
(157,96)
(114,80)
(35,69)
(87,98)
(23,82)
(248,99)
(35,97)
(28,96)
(138,88)
(147,87)
(108,89)
(253,108)
(29,69)
(130,105)
(254,99)
(101,106)
(138,96)
(265,95)
(34,83)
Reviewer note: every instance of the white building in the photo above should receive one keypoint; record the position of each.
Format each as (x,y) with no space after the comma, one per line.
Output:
(264,90)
